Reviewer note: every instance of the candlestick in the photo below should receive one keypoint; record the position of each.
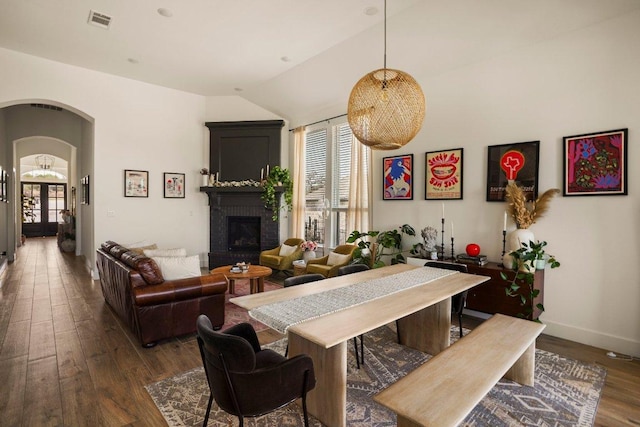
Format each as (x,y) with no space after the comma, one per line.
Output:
(442,210)
(267,170)
(452,229)
(504,241)
(504,226)
(442,243)
(262,174)
(453,257)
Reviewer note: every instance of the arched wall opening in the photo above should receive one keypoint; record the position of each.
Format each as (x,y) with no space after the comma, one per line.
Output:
(34,126)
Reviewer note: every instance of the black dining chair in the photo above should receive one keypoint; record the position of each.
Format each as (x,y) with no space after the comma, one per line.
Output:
(349,269)
(303,278)
(246,380)
(458,301)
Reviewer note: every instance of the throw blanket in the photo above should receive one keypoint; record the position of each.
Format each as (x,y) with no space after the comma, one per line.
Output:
(284,314)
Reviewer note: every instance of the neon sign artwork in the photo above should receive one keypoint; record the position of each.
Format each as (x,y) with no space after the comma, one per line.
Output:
(511,163)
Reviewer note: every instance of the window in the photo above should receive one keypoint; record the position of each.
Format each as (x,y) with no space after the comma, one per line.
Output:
(327,168)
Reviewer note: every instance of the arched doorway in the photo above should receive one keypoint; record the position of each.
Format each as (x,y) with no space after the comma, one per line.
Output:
(44,126)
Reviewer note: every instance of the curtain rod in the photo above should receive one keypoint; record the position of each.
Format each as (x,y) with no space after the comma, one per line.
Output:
(320,121)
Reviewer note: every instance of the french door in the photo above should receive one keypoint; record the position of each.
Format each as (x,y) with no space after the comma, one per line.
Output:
(41,206)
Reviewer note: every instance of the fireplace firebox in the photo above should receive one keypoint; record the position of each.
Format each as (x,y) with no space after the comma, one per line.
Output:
(243,233)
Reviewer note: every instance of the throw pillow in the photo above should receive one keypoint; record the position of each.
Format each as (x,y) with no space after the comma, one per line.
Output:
(286,250)
(140,250)
(165,252)
(149,270)
(335,258)
(174,268)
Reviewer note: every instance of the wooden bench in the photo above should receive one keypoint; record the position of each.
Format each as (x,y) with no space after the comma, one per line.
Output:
(445,389)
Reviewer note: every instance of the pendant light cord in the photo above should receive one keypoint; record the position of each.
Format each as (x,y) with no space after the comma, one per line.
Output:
(385,34)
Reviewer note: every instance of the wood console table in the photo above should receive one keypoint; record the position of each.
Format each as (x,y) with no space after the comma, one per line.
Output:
(490,297)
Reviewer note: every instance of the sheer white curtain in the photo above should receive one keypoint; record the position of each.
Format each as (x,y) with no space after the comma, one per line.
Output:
(299,180)
(360,194)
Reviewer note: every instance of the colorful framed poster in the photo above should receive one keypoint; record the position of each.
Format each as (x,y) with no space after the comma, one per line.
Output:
(173,185)
(397,177)
(517,162)
(595,164)
(136,183)
(443,179)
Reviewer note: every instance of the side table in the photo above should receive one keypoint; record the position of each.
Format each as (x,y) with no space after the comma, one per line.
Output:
(299,267)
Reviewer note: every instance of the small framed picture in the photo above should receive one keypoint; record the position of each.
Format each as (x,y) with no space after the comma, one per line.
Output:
(398,177)
(443,179)
(173,185)
(595,164)
(84,195)
(518,163)
(136,183)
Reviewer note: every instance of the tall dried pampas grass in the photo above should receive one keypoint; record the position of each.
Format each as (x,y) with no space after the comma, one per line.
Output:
(526,213)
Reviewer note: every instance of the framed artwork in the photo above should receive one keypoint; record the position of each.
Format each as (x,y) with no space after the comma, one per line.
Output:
(595,164)
(173,185)
(443,179)
(84,190)
(136,183)
(3,196)
(517,162)
(397,177)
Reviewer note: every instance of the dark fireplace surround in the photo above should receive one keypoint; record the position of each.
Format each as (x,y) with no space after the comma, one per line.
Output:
(238,151)
(236,203)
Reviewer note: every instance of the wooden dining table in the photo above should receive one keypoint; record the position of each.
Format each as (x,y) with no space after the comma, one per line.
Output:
(423,313)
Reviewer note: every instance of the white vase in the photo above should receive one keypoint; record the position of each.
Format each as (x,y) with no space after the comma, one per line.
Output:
(307,255)
(205,180)
(517,237)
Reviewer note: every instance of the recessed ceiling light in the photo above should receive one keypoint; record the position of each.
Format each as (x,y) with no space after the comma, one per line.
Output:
(237,89)
(285,59)
(133,60)
(165,12)
(371,10)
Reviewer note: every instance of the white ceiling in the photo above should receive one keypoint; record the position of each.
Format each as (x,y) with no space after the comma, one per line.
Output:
(235,47)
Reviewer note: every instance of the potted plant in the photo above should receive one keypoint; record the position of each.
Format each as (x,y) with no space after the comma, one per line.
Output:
(278,177)
(204,172)
(524,265)
(372,245)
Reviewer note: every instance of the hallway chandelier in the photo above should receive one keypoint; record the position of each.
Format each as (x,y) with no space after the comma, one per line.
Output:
(386,107)
(44,162)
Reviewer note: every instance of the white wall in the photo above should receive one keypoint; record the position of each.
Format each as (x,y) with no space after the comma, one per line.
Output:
(137,126)
(580,83)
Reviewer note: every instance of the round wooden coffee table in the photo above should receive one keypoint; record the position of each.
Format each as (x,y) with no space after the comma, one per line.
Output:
(255,274)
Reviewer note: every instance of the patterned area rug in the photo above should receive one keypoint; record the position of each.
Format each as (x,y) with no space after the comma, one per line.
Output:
(234,314)
(566,392)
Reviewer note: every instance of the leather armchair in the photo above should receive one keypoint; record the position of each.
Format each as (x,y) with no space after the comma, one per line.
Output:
(271,258)
(246,380)
(321,266)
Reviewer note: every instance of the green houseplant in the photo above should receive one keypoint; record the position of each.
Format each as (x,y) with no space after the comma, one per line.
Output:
(278,177)
(373,245)
(524,260)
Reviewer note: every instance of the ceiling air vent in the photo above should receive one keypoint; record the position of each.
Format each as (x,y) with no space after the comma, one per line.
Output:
(99,19)
(47,107)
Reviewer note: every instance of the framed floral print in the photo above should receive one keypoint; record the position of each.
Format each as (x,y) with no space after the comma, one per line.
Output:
(443,179)
(173,185)
(397,177)
(136,183)
(595,164)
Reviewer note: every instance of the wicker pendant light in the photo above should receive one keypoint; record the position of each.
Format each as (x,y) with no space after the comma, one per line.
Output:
(386,107)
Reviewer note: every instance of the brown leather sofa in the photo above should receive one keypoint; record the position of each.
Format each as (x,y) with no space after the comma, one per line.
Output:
(154,308)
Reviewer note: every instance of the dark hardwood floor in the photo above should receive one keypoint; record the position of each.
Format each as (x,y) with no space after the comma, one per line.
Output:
(66,360)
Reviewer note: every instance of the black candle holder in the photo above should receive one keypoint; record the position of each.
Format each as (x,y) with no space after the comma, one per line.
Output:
(453,258)
(442,244)
(504,241)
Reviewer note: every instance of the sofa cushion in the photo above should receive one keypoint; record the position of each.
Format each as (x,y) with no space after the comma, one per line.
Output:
(335,258)
(179,267)
(165,252)
(117,251)
(106,246)
(140,249)
(286,250)
(149,270)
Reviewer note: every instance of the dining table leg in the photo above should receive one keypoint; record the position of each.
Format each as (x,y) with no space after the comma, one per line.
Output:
(328,400)
(427,330)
